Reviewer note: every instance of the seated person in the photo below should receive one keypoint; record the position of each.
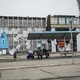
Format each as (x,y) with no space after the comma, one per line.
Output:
(44,50)
(30,54)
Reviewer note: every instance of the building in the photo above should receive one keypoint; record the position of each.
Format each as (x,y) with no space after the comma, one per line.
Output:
(78,1)
(17,29)
(62,23)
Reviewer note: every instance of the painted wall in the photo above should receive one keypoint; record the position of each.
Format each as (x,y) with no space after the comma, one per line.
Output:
(4,41)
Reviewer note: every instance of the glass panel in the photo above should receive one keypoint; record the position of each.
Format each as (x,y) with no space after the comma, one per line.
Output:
(10,22)
(67,20)
(6,22)
(77,20)
(39,23)
(29,23)
(43,23)
(61,20)
(2,21)
(25,23)
(20,23)
(34,23)
(54,21)
(17,23)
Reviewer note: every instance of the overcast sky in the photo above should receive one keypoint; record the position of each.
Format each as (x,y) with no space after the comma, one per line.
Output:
(38,7)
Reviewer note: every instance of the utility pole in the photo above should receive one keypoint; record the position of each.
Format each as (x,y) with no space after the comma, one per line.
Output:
(71,41)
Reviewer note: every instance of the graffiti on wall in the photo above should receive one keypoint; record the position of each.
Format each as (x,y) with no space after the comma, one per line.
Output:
(4,41)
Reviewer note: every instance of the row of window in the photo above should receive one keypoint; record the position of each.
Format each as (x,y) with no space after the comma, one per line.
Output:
(63,20)
(22,22)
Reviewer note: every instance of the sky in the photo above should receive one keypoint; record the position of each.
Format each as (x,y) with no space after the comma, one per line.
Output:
(38,8)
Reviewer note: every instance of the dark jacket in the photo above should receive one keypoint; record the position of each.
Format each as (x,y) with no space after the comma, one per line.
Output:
(14,55)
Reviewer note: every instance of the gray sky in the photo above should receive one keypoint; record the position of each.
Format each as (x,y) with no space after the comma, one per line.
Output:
(38,7)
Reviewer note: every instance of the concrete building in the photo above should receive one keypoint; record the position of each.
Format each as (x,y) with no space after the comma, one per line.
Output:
(62,23)
(78,1)
(17,29)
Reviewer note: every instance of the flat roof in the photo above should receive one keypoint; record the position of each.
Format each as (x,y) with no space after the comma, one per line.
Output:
(52,35)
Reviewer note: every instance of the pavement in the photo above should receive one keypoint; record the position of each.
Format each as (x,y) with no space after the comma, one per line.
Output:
(56,67)
(69,72)
(23,57)
(54,59)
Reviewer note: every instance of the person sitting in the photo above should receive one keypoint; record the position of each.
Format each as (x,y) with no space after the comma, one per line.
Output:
(30,54)
(44,50)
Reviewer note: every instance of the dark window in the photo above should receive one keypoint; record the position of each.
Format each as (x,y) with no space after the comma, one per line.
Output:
(62,29)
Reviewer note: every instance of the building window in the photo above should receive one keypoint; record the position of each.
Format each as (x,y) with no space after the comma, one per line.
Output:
(76,20)
(61,20)
(67,20)
(35,22)
(54,20)
(61,29)
(10,22)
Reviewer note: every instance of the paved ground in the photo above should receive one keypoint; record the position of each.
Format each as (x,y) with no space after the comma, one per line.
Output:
(69,72)
(54,68)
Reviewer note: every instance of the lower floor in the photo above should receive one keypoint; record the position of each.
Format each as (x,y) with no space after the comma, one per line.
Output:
(17,40)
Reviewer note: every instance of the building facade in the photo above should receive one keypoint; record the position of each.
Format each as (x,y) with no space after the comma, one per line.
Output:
(17,29)
(78,2)
(62,23)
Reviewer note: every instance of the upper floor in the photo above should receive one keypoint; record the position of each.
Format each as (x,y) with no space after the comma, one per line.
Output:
(22,22)
(63,21)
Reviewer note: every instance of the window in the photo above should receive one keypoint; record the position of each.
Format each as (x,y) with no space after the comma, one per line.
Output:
(61,20)
(10,22)
(76,21)
(43,23)
(54,21)
(6,21)
(34,21)
(62,29)
(67,20)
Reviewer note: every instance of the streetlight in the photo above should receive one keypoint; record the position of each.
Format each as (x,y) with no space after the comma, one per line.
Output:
(71,41)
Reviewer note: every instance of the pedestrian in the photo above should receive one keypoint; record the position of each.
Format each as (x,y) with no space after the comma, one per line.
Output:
(39,53)
(14,56)
(45,52)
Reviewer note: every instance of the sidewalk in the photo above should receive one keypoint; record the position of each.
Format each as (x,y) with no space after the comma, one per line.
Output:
(54,60)
(23,57)
(64,72)
(56,67)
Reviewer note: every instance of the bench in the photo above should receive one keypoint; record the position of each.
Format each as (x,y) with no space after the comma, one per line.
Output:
(65,53)
(43,54)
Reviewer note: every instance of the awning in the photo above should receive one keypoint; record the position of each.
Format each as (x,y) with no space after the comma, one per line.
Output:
(52,35)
